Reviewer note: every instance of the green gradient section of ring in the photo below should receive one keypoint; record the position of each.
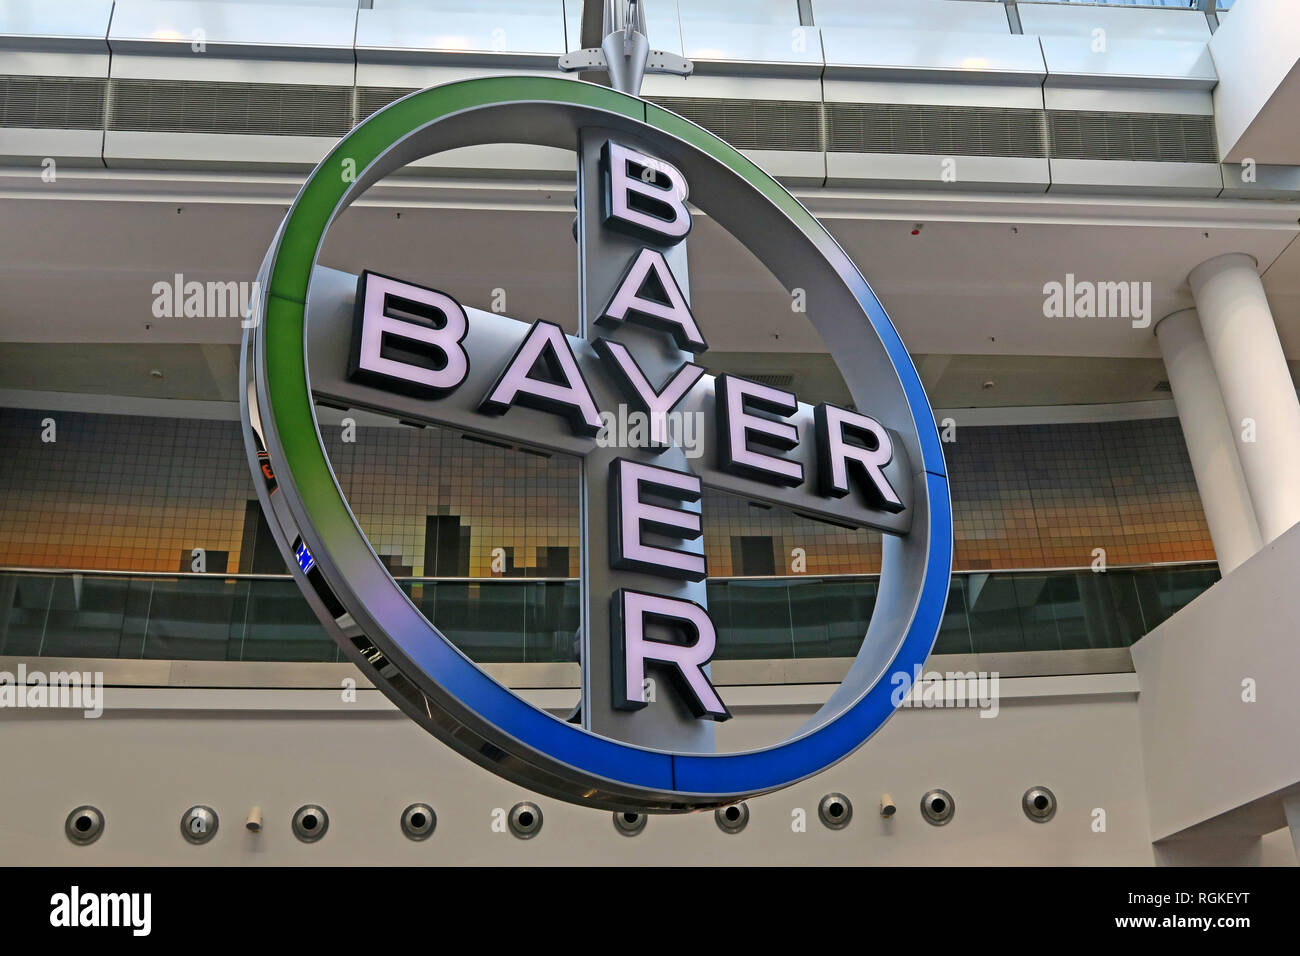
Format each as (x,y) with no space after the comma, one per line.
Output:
(315,207)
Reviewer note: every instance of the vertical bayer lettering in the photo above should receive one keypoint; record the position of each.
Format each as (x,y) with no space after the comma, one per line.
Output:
(632,612)
(633,514)
(646,198)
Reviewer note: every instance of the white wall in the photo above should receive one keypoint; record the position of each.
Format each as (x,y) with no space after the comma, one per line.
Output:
(155,752)
(1256,52)
(1210,754)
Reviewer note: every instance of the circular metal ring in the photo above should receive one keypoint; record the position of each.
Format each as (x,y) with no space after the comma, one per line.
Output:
(937,807)
(84,825)
(199,824)
(419,821)
(1039,804)
(525,820)
(732,819)
(310,823)
(835,810)
(629,822)
(441,688)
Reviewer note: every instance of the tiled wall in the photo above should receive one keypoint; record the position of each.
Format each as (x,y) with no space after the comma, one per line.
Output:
(131,493)
(1048,496)
(118,492)
(521,503)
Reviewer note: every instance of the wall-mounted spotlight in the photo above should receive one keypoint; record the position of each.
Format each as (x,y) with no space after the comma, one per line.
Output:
(199,824)
(629,822)
(525,820)
(419,821)
(835,811)
(1039,804)
(937,807)
(310,823)
(84,825)
(732,819)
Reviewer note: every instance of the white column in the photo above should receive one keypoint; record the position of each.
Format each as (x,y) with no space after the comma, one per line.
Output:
(1209,437)
(1257,389)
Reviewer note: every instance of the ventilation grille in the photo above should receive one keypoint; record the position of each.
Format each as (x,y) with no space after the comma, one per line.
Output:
(794,125)
(51,102)
(371,99)
(1136,137)
(940,130)
(266,109)
(171,106)
(772,379)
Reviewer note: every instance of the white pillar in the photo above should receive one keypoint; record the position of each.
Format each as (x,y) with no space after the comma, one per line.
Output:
(1209,437)
(1257,389)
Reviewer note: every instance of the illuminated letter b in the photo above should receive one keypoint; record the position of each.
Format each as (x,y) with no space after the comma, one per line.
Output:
(644,197)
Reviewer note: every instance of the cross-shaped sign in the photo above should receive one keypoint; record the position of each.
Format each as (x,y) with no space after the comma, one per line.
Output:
(394,346)
(408,348)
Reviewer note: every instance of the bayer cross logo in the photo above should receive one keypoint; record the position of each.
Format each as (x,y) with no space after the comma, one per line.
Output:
(408,348)
(411,340)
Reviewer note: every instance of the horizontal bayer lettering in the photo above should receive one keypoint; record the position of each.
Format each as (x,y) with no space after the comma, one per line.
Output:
(597,391)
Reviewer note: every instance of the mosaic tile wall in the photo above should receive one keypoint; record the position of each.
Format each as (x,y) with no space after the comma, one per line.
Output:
(518,502)
(1030,496)
(121,492)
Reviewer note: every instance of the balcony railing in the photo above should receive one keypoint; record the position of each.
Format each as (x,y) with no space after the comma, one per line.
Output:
(242,617)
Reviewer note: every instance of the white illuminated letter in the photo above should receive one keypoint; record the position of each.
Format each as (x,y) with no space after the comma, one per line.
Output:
(737,428)
(834,426)
(567,394)
(648,294)
(631,517)
(630,612)
(644,196)
(406,338)
(638,390)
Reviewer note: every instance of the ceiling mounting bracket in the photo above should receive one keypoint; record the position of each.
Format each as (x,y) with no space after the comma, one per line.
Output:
(625,53)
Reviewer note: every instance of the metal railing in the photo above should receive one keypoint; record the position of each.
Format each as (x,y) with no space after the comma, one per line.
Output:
(259,617)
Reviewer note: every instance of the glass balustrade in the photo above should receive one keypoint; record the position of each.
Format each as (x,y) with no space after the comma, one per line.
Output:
(265,618)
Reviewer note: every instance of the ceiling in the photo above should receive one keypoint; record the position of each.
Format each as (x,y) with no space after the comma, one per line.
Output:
(78,267)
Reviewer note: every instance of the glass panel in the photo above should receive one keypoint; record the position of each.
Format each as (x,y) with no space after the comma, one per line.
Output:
(1034,598)
(553,617)
(1169,590)
(27,601)
(86,617)
(275,623)
(189,619)
(845,606)
(954,633)
(758,624)
(1062,590)
(487,621)
(994,613)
